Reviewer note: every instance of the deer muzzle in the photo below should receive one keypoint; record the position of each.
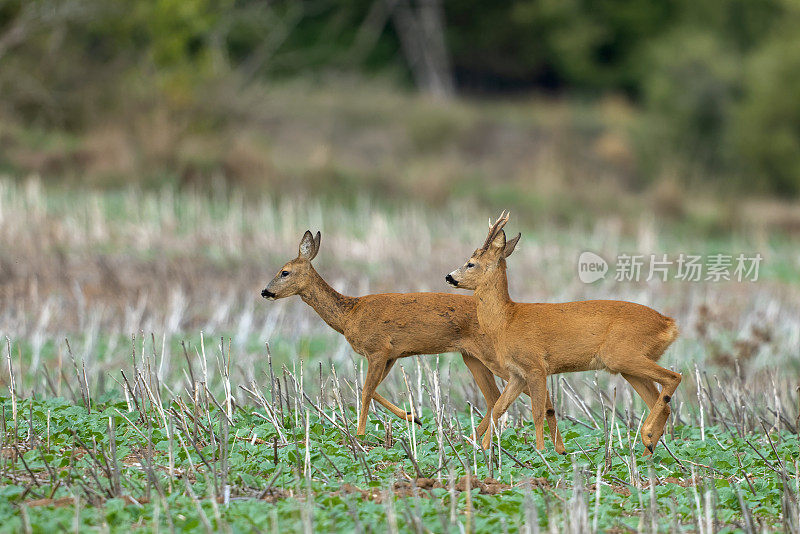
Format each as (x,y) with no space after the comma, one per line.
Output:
(267,294)
(450,280)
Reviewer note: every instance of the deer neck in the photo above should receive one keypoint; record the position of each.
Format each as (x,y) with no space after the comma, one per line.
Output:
(492,300)
(329,304)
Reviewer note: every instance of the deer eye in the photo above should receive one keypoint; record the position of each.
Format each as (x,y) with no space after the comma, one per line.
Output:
(284,274)
(470,265)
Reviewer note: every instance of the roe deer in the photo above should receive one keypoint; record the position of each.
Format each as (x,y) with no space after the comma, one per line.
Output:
(385,327)
(536,340)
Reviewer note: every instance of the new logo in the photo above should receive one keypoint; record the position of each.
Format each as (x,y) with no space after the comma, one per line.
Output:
(591,267)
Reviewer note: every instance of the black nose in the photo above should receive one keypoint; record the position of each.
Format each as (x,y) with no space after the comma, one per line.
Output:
(267,294)
(450,280)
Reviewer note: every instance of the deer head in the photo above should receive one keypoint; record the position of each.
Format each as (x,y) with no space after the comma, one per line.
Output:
(293,277)
(485,259)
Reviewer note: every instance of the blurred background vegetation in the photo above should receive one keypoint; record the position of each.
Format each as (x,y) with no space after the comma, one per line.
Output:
(688,109)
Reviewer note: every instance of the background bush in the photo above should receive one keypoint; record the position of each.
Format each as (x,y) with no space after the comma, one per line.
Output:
(715,81)
(766,125)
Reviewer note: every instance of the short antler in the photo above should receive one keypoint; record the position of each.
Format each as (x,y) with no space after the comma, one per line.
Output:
(495,229)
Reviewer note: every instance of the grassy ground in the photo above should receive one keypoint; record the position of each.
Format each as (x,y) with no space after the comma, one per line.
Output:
(120,411)
(183,467)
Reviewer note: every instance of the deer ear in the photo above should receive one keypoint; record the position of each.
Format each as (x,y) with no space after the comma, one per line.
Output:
(306,250)
(510,246)
(317,239)
(499,241)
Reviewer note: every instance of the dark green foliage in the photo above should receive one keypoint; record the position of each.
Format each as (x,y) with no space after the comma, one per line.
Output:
(690,96)
(767,123)
(716,88)
(575,44)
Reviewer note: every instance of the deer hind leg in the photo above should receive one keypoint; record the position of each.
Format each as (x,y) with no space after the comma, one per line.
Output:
(661,411)
(486,383)
(399,412)
(515,386)
(647,370)
(649,393)
(376,368)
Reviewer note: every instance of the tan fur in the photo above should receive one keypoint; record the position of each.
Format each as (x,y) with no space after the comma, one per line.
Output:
(532,341)
(388,326)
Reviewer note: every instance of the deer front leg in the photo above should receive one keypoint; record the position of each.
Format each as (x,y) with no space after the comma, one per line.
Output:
(550,413)
(539,399)
(485,380)
(375,373)
(515,386)
(486,383)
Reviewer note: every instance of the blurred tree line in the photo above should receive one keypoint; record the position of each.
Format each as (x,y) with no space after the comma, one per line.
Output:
(718,81)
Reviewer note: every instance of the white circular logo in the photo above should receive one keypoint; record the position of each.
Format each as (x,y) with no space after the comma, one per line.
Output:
(591,267)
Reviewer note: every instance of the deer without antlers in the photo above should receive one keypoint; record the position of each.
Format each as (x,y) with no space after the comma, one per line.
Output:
(388,326)
(536,340)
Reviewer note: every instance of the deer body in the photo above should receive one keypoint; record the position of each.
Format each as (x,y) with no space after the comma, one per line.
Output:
(432,322)
(571,337)
(387,326)
(532,341)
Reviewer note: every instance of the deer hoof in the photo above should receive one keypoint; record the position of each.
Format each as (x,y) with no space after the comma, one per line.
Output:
(411,417)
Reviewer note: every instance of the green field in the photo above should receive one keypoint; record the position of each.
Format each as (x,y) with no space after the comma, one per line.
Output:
(183,467)
(161,159)
(139,388)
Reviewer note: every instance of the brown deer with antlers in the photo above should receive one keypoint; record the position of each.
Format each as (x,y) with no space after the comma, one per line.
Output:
(533,341)
(388,326)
